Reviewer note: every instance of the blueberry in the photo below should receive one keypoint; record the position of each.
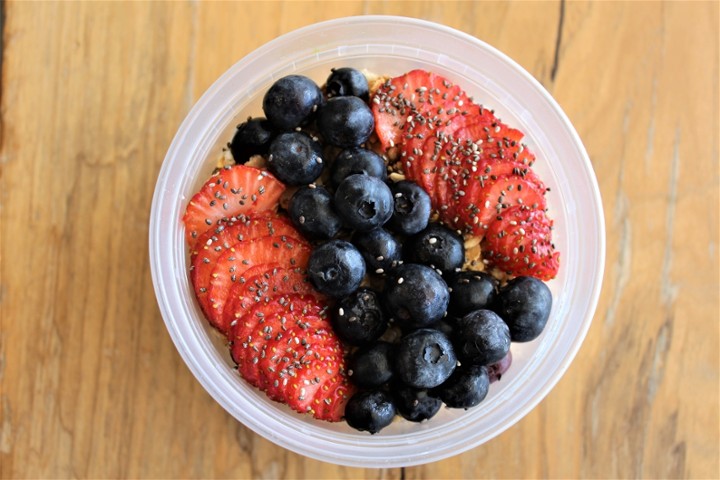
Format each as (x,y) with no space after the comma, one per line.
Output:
(482,338)
(251,138)
(413,404)
(498,369)
(336,268)
(347,82)
(381,251)
(416,295)
(291,102)
(295,158)
(357,160)
(312,213)
(358,318)
(411,209)
(370,411)
(467,387)
(372,366)
(525,304)
(425,359)
(471,291)
(363,202)
(439,247)
(345,121)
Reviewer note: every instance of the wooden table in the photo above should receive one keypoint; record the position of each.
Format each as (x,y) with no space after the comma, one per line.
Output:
(91,385)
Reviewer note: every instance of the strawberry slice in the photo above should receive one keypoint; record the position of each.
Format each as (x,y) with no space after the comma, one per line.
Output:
(494,139)
(519,242)
(332,398)
(287,348)
(227,233)
(327,366)
(286,251)
(483,201)
(264,323)
(232,191)
(263,284)
(418,97)
(301,361)
(427,152)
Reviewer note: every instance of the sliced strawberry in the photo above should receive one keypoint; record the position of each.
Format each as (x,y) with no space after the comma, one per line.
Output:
(231,192)
(248,342)
(305,365)
(493,139)
(332,398)
(519,242)
(253,336)
(286,251)
(264,285)
(418,97)
(226,234)
(483,201)
(291,353)
(427,152)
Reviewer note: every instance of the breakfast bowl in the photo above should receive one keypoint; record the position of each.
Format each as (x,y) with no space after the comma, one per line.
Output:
(389,46)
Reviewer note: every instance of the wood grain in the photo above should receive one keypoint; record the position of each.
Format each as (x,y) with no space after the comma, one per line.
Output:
(92,93)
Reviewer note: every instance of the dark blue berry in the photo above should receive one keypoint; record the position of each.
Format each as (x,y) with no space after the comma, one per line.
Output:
(425,359)
(345,121)
(482,338)
(370,411)
(438,247)
(251,138)
(525,304)
(471,291)
(336,268)
(381,250)
(372,366)
(358,318)
(291,102)
(411,209)
(363,202)
(415,295)
(295,158)
(466,387)
(357,160)
(312,213)
(347,82)
(498,369)
(413,404)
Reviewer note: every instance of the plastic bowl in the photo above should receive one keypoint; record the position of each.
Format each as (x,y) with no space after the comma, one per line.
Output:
(388,45)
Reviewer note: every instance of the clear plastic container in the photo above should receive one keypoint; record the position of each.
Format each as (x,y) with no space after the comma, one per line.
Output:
(388,45)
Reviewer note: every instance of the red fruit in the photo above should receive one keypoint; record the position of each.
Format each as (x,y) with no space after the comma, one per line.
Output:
(420,96)
(428,152)
(226,234)
(332,398)
(288,349)
(520,243)
(250,335)
(262,284)
(286,251)
(231,192)
(484,201)
(494,139)
(317,360)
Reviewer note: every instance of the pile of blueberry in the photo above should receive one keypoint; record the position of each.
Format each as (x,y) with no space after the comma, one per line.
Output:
(423,332)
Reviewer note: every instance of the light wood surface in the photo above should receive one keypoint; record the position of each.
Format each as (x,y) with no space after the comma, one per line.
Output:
(91,385)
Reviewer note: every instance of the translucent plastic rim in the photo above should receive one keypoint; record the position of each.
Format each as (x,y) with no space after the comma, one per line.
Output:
(431,442)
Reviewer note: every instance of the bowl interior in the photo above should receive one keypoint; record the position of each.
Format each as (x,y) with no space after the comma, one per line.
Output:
(386,45)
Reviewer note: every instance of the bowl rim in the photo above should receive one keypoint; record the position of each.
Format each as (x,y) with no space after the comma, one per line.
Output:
(159,208)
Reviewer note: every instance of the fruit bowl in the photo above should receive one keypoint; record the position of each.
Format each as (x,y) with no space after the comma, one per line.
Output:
(387,45)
